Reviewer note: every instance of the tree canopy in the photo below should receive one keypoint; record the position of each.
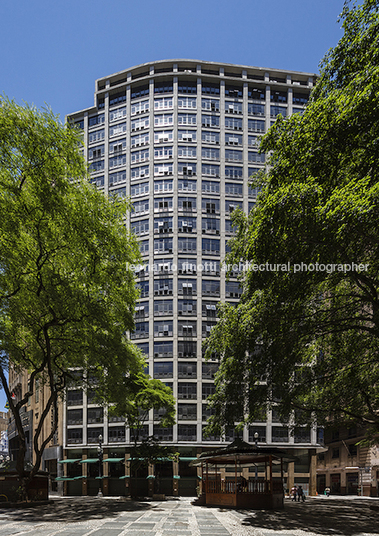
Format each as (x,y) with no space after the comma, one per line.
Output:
(67,296)
(305,334)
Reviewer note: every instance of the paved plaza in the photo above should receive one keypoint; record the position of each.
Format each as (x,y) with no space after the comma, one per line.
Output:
(90,516)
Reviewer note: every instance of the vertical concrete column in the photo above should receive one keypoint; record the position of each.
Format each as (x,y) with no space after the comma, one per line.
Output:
(127,474)
(176,477)
(105,473)
(84,473)
(312,473)
(290,475)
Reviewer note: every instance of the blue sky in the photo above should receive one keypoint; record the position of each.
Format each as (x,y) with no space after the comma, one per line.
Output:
(53,51)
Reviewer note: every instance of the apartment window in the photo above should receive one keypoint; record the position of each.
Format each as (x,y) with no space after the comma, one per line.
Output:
(210,206)
(163,186)
(163,225)
(163,136)
(210,105)
(163,369)
(302,435)
(96,135)
(256,93)
(187,245)
(278,96)
(187,391)
(163,152)
(163,434)
(95,415)
(140,123)
(253,141)
(278,110)
(117,178)
(117,114)
(229,227)
(98,181)
(116,434)
(163,204)
(233,107)
(255,109)
(74,397)
(74,416)
(185,185)
(139,189)
(210,89)
(117,130)
(187,432)
(187,266)
(232,205)
(233,289)
(163,307)
(233,139)
(163,328)
(279,434)
(257,158)
(186,152)
(186,328)
(140,172)
(163,349)
(186,119)
(207,389)
(117,98)
(233,91)
(210,225)
(233,156)
(187,349)
(210,246)
(140,434)
(335,453)
(140,139)
(118,192)
(186,224)
(187,204)
(165,103)
(209,371)
(233,172)
(144,247)
(141,330)
(117,161)
(162,287)
(208,437)
(144,347)
(210,287)
(139,91)
(210,137)
(187,412)
(209,309)
(210,153)
(300,98)
(140,227)
(187,135)
(163,169)
(144,288)
(187,102)
(163,266)
(163,87)
(140,207)
(187,307)
(93,435)
(74,435)
(162,245)
(255,125)
(187,87)
(210,187)
(210,170)
(141,310)
(96,152)
(96,120)
(233,189)
(211,121)
(187,168)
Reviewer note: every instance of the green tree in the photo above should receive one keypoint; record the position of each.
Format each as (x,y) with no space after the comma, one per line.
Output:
(67,295)
(307,338)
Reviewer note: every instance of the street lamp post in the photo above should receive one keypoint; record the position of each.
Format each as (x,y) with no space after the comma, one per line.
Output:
(100,456)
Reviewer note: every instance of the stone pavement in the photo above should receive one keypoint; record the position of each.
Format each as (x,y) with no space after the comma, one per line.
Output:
(90,516)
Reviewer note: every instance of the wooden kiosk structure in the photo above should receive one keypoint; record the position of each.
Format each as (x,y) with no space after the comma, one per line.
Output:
(237,491)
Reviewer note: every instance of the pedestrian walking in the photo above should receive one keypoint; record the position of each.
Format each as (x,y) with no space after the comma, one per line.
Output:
(300,494)
(293,493)
(327,492)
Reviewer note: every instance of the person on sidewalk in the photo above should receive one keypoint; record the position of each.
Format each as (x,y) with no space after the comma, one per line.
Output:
(300,494)
(293,493)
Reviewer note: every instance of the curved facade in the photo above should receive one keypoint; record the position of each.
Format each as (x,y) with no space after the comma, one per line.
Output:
(180,138)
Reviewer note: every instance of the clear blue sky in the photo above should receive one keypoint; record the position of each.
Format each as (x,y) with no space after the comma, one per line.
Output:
(53,51)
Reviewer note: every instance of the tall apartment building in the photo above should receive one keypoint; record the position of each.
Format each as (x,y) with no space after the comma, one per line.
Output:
(180,138)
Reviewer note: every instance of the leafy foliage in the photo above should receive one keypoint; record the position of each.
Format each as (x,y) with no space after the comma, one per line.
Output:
(305,336)
(66,294)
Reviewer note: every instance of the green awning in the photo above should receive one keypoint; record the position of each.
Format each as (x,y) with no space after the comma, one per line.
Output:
(125,476)
(100,477)
(187,458)
(70,460)
(176,477)
(90,460)
(113,460)
(79,477)
(63,479)
(150,476)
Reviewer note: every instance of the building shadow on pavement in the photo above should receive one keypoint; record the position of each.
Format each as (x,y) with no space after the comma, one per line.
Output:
(337,517)
(73,510)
